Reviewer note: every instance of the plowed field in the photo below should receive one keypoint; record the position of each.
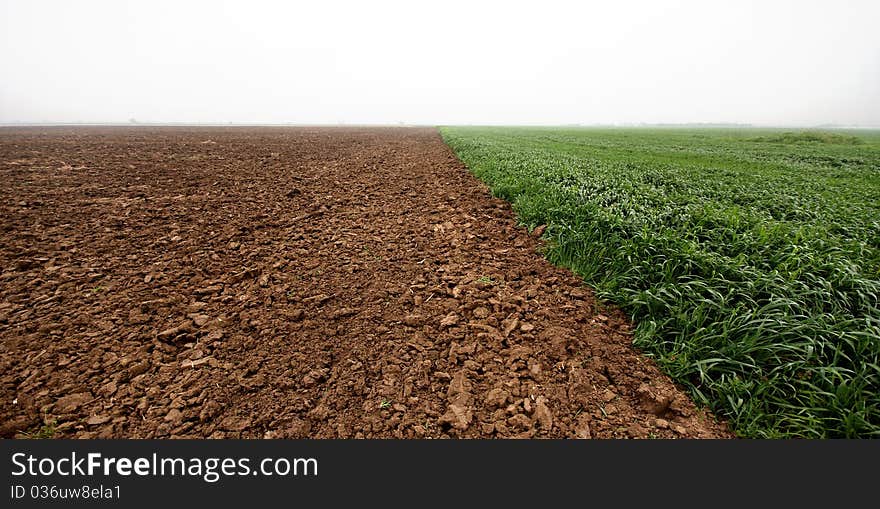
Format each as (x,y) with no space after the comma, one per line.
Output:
(295,283)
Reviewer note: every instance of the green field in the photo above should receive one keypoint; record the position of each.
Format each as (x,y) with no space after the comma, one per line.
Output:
(748,259)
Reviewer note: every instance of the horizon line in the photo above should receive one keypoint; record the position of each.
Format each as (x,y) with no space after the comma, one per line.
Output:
(417,124)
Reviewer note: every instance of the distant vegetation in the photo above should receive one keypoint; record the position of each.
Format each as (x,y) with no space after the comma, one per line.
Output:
(811,137)
(752,270)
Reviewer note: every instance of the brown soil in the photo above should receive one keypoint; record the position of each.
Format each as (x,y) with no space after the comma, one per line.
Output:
(295,282)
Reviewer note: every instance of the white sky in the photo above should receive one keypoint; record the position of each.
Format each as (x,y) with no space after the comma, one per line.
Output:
(441,62)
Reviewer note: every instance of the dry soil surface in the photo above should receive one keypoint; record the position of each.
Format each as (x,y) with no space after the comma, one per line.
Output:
(295,282)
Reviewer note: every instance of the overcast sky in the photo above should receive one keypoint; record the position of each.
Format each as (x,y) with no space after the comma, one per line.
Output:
(441,62)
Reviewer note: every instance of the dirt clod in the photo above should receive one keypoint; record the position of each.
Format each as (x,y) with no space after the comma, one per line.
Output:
(497,398)
(72,402)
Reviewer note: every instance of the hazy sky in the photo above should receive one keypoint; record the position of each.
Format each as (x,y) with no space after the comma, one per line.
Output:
(441,62)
